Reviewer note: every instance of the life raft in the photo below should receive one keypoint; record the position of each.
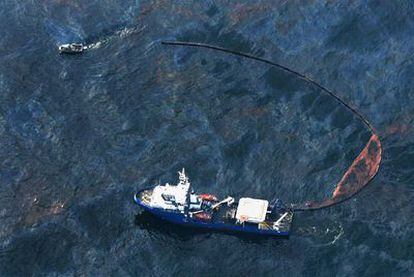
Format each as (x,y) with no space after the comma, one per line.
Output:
(208,197)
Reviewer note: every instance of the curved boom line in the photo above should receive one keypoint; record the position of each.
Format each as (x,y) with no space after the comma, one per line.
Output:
(362,170)
(298,74)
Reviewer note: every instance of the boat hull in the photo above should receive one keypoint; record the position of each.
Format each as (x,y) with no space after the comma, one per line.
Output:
(184,220)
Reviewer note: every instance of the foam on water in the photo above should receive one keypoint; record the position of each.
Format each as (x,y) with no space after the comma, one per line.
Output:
(120,34)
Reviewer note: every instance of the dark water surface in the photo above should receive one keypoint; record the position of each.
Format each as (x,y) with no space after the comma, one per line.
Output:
(80,134)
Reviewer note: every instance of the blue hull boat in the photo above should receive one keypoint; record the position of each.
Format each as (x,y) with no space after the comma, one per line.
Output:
(179,204)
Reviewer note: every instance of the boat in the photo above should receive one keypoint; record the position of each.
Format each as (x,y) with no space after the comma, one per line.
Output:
(179,204)
(71,48)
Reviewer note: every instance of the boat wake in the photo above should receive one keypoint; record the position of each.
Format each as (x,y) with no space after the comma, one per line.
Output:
(120,34)
(321,234)
(362,170)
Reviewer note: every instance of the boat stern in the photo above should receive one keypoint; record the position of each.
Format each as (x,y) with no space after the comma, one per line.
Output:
(62,48)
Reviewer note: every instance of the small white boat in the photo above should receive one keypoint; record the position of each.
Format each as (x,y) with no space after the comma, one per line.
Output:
(71,48)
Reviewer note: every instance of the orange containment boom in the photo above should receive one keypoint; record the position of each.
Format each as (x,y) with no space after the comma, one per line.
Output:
(362,170)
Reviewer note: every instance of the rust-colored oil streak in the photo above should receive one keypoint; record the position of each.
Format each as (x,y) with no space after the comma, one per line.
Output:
(362,170)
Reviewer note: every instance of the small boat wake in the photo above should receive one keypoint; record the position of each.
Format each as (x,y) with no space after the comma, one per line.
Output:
(120,34)
(362,170)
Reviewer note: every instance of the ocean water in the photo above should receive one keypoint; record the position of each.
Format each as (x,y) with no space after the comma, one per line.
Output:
(80,134)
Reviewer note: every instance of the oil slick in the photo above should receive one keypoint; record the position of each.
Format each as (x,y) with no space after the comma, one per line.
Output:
(364,167)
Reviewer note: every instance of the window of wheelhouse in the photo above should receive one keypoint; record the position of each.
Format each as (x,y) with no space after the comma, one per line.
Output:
(168,197)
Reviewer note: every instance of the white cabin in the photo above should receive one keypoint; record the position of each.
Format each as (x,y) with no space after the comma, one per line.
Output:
(171,197)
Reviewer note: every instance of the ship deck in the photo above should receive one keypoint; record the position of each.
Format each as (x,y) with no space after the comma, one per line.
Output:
(226,214)
(275,221)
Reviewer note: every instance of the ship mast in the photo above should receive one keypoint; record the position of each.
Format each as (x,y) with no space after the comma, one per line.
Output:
(183,179)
